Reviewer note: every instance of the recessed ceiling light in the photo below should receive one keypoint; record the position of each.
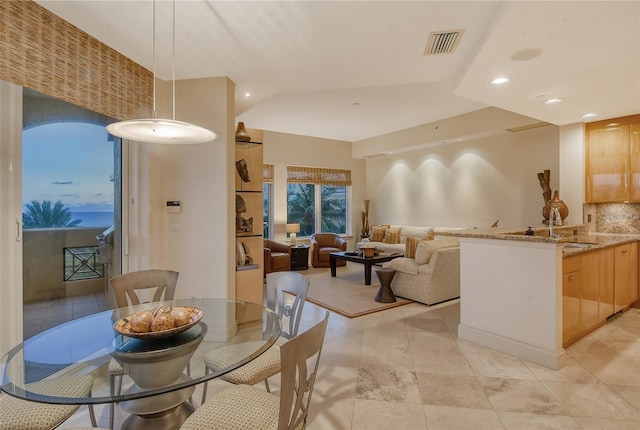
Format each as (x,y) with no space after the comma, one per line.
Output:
(247,94)
(552,101)
(500,80)
(525,54)
(589,115)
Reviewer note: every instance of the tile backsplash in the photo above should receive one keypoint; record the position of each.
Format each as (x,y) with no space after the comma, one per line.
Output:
(621,218)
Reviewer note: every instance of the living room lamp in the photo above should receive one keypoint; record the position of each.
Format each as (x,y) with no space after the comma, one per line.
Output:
(156,130)
(292,229)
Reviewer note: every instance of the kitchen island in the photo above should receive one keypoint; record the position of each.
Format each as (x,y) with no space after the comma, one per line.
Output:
(511,287)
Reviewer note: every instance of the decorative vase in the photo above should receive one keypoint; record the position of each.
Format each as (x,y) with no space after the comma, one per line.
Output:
(241,133)
(365,220)
(555,202)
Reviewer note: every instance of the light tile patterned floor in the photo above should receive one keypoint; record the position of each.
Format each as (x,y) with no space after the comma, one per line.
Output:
(404,368)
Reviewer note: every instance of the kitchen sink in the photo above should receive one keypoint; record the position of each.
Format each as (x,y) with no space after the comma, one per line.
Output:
(579,244)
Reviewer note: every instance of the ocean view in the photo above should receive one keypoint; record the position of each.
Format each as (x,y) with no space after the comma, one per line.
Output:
(94,219)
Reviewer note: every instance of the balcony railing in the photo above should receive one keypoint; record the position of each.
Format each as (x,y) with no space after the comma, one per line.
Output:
(82,262)
(61,262)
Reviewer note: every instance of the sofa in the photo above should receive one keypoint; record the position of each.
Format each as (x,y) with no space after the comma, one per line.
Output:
(432,275)
(391,238)
(277,257)
(323,244)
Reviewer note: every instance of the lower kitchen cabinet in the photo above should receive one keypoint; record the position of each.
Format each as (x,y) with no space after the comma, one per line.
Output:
(571,285)
(625,275)
(589,288)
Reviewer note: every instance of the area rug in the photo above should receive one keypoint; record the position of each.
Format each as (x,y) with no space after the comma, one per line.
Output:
(347,294)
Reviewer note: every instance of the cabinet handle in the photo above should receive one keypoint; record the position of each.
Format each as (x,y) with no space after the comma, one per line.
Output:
(624,251)
(571,277)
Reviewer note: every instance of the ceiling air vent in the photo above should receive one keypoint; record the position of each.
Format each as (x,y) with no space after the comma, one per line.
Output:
(527,127)
(376,155)
(443,42)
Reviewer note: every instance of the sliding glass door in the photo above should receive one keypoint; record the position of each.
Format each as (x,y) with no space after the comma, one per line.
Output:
(71,187)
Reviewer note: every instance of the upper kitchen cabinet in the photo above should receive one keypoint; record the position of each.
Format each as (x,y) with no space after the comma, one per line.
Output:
(612,160)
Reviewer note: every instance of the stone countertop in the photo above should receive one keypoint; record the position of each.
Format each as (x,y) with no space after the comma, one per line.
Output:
(568,234)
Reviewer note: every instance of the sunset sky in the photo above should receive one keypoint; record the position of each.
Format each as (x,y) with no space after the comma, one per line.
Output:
(71,162)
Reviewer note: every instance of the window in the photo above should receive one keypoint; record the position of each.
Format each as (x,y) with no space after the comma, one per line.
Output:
(267,200)
(318,199)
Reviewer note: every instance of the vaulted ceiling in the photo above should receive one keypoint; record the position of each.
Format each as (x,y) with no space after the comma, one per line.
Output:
(351,70)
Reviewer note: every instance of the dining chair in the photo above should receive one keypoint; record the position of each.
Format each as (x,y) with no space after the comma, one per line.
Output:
(245,406)
(285,295)
(18,414)
(126,289)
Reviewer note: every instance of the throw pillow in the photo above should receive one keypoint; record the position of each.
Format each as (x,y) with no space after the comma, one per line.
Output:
(410,247)
(392,235)
(425,248)
(377,233)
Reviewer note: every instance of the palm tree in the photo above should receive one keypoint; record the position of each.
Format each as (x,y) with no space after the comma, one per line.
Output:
(300,207)
(333,215)
(301,203)
(47,215)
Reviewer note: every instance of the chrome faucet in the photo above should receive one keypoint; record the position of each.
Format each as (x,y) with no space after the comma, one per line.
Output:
(554,213)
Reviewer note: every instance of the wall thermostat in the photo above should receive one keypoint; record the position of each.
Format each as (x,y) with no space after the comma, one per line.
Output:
(173,206)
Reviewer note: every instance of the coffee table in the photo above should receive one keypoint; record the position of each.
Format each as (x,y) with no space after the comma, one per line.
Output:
(368,262)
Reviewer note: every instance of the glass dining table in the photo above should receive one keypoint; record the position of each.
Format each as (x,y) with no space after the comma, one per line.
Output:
(159,374)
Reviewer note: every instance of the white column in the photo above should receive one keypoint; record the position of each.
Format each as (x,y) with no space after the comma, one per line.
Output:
(10,216)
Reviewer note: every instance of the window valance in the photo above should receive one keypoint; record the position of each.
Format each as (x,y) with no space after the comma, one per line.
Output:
(319,176)
(267,173)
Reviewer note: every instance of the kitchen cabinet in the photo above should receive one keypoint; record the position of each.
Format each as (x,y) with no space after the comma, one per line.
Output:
(571,285)
(612,170)
(625,275)
(249,224)
(587,293)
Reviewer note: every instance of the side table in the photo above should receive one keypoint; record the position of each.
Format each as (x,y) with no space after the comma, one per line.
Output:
(385,294)
(300,257)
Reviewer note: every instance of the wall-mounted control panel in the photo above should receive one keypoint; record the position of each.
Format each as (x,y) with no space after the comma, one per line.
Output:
(173,206)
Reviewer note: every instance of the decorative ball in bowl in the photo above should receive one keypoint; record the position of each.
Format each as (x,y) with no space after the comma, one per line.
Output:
(159,322)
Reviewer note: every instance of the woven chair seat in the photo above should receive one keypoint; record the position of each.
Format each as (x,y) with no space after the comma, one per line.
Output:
(265,366)
(239,407)
(115,368)
(18,414)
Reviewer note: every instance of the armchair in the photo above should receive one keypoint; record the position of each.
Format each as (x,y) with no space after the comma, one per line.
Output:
(277,257)
(322,244)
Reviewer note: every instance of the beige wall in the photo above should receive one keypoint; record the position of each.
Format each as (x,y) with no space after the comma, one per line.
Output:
(281,150)
(197,242)
(466,184)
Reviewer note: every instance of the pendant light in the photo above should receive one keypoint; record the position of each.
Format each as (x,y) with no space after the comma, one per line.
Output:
(157,130)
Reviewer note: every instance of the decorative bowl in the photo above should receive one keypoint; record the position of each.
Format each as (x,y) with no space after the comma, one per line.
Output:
(123,325)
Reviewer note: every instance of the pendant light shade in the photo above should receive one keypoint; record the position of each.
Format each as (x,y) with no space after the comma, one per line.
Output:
(156,130)
(159,130)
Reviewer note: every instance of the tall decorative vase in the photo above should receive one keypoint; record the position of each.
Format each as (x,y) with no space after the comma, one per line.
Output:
(241,133)
(555,202)
(365,220)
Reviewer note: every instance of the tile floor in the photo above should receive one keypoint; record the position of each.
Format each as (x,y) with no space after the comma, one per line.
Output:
(404,368)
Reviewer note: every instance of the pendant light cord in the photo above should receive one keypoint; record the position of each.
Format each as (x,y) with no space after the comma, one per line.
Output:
(153,113)
(173,59)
